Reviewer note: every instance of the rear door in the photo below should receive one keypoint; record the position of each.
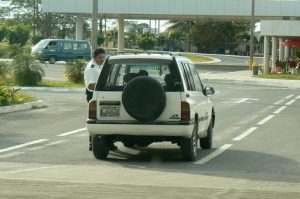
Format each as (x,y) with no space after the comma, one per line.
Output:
(120,70)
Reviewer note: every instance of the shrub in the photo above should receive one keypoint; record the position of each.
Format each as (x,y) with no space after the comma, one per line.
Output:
(15,49)
(9,96)
(74,70)
(25,71)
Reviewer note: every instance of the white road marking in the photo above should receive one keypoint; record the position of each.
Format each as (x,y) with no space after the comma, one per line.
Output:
(288,97)
(278,102)
(290,102)
(266,119)
(240,100)
(11,154)
(71,132)
(246,133)
(214,154)
(34,169)
(280,109)
(23,145)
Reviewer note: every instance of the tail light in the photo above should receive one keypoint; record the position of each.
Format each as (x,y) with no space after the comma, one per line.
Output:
(185,111)
(92,109)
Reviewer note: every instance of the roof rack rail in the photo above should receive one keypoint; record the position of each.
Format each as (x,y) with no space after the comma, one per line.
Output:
(146,52)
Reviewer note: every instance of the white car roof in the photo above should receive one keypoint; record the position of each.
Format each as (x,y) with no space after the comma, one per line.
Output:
(150,56)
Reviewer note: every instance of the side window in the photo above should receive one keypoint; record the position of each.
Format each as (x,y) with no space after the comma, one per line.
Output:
(75,46)
(52,44)
(67,46)
(188,77)
(82,46)
(196,78)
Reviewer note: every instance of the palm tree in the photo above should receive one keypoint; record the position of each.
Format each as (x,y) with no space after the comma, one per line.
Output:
(181,30)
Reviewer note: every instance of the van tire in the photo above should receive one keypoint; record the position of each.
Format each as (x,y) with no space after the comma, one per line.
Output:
(52,60)
(144,98)
(100,147)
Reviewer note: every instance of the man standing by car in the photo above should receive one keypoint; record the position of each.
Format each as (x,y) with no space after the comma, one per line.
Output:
(91,74)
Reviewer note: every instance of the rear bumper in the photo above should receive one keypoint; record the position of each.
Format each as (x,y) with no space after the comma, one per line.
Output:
(180,128)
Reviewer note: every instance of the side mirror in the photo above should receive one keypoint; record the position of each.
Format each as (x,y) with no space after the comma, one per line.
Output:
(209,90)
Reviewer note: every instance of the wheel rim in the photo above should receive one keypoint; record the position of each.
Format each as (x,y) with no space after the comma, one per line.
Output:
(52,60)
(195,144)
(195,139)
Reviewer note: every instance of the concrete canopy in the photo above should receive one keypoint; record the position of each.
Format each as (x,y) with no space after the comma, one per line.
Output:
(178,9)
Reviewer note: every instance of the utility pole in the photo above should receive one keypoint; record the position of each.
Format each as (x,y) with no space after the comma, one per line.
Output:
(94,25)
(252,35)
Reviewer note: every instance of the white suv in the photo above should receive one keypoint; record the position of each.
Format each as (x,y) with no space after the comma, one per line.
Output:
(150,97)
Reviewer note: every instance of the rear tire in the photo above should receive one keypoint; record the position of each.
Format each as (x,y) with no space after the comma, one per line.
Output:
(189,146)
(52,60)
(100,147)
(206,143)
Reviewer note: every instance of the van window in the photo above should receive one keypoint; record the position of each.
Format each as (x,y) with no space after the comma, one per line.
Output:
(67,46)
(75,46)
(52,44)
(82,46)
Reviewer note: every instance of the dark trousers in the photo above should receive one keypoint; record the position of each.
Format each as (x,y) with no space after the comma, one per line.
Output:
(89,95)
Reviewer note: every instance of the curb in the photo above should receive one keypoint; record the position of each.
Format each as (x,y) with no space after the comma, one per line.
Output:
(52,89)
(22,107)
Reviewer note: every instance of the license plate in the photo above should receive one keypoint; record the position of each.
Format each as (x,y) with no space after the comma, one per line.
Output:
(110,111)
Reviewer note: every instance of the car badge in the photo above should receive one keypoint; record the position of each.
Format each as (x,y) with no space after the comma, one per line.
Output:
(175,116)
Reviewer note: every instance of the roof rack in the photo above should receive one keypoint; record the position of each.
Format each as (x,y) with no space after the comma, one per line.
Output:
(147,52)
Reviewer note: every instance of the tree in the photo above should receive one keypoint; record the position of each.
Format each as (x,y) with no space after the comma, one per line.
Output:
(133,30)
(211,35)
(43,24)
(3,32)
(181,30)
(28,12)
(18,34)
(146,41)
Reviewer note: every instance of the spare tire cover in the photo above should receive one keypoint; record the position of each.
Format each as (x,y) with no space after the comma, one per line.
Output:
(144,98)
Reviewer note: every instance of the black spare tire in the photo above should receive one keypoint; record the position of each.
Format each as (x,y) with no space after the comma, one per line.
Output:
(144,98)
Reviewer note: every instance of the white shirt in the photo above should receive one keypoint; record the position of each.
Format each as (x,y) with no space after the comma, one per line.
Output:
(91,73)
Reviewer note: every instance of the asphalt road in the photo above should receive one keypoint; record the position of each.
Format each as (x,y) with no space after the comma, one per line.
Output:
(44,152)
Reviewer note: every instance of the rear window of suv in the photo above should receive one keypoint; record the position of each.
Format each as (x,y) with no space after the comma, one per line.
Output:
(118,72)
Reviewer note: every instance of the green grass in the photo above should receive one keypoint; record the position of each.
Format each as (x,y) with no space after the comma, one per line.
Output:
(24,98)
(60,84)
(280,76)
(197,58)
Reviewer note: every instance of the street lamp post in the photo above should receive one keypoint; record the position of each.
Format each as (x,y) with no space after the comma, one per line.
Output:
(252,35)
